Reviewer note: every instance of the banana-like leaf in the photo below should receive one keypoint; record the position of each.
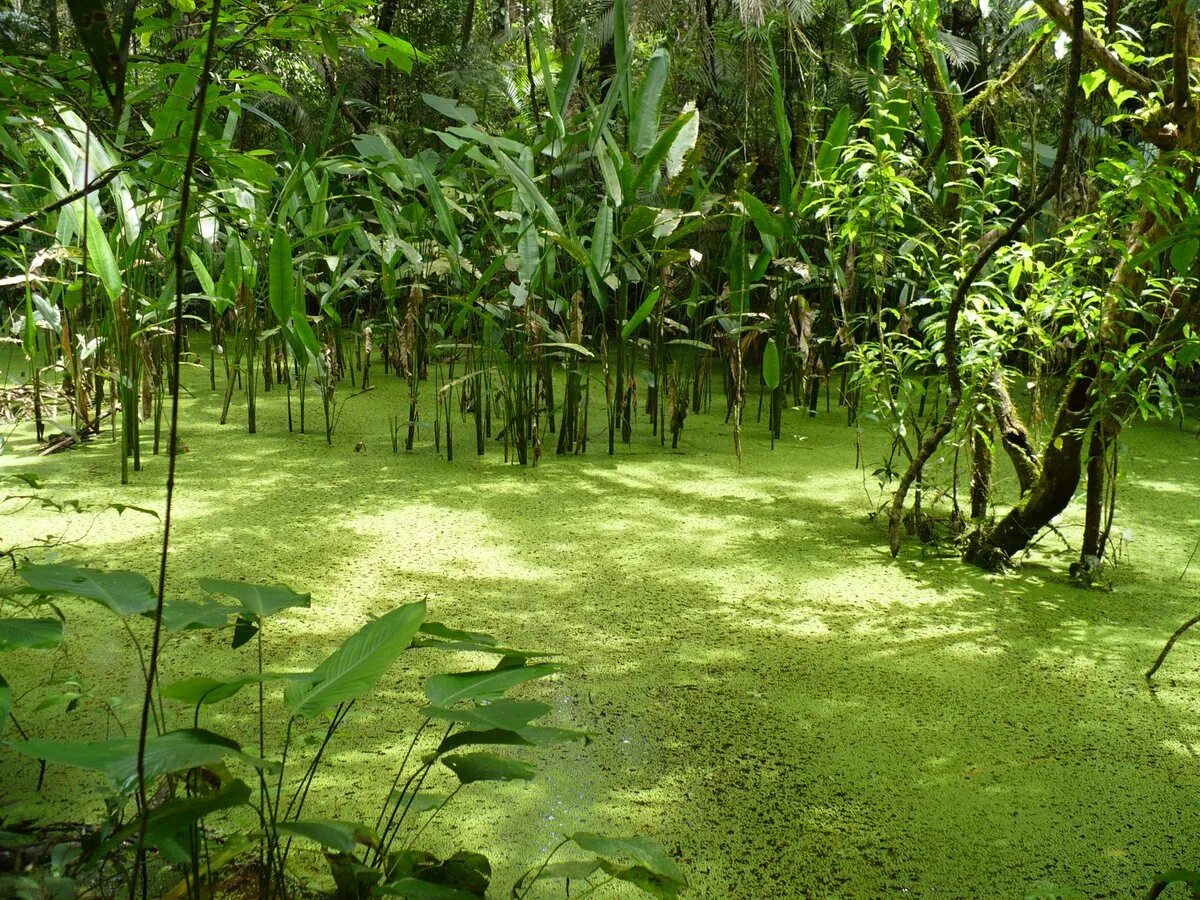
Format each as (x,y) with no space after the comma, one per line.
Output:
(282,276)
(770,369)
(647,109)
(642,313)
(657,154)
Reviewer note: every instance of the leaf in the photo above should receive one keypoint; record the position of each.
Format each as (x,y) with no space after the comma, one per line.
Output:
(647,107)
(355,666)
(441,210)
(30,634)
(261,600)
(281,285)
(100,258)
(642,313)
(446,690)
(684,141)
(473,767)
(770,369)
(600,250)
(205,690)
(640,849)
(244,630)
(95,33)
(1183,256)
(341,836)
(450,109)
(658,153)
(505,713)
(184,615)
(529,736)
(175,751)
(172,817)
(125,593)
(416,889)
(530,195)
(831,147)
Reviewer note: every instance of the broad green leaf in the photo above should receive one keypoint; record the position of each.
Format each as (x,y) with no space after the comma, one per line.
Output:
(505,713)
(30,634)
(355,666)
(343,837)
(570,70)
(641,314)
(450,108)
(602,239)
(446,690)
(1183,256)
(203,689)
(643,129)
(184,615)
(609,174)
(684,141)
(641,850)
(175,751)
(282,276)
(529,736)
(531,196)
(416,889)
(657,154)
(473,767)
(125,593)
(100,258)
(441,209)
(202,274)
(771,364)
(172,817)
(261,600)
(831,147)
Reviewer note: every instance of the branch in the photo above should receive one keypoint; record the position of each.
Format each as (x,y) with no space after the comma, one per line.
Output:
(983,97)
(951,140)
(1181,37)
(92,186)
(1097,51)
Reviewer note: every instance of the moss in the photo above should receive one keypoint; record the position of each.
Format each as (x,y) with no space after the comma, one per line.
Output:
(772,696)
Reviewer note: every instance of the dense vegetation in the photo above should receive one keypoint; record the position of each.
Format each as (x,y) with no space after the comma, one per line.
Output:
(570,228)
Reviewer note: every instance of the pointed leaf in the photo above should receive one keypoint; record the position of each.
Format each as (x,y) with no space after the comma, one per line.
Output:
(261,600)
(771,364)
(355,666)
(175,751)
(446,690)
(30,634)
(281,281)
(125,593)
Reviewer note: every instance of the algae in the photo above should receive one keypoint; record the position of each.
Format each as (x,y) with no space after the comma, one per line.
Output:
(774,700)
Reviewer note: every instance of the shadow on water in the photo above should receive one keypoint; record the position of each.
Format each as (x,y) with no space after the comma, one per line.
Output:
(772,697)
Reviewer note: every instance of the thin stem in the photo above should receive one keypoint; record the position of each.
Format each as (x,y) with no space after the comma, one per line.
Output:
(185,197)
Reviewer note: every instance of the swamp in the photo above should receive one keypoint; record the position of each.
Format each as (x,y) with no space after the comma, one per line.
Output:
(544,448)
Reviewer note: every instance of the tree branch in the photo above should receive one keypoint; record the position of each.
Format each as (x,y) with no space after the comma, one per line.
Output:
(94,185)
(1096,49)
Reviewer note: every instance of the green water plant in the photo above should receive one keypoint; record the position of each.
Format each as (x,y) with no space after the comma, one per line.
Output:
(221,812)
